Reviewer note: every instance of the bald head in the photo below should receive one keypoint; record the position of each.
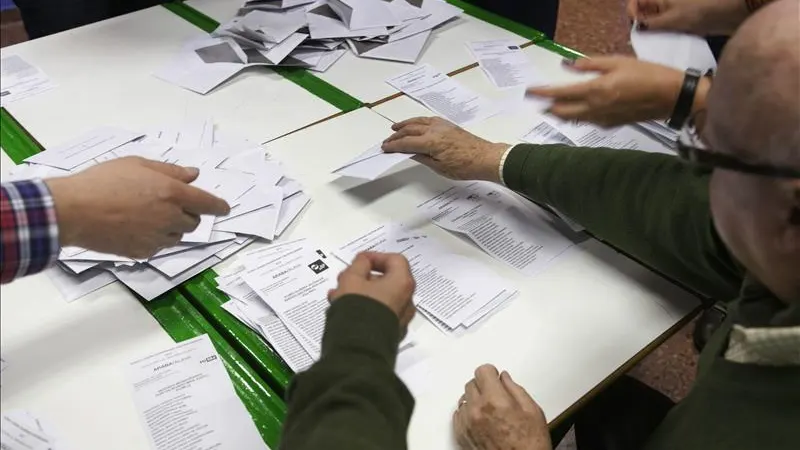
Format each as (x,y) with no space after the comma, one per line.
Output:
(755,100)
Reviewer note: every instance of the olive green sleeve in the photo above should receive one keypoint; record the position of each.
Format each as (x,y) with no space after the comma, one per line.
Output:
(351,398)
(652,206)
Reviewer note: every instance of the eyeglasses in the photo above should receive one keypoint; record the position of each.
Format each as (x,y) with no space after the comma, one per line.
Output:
(691,148)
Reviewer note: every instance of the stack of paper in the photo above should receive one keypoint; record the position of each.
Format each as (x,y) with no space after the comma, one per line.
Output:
(444,95)
(280,291)
(185,400)
(453,292)
(313,36)
(263,200)
(518,233)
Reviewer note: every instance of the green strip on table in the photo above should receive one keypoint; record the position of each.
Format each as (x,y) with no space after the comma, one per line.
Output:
(301,77)
(179,318)
(500,21)
(182,321)
(15,140)
(560,49)
(203,293)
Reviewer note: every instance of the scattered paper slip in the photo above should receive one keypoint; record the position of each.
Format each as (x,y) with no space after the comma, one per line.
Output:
(677,50)
(371,164)
(21,430)
(186,400)
(504,63)
(523,237)
(443,95)
(20,80)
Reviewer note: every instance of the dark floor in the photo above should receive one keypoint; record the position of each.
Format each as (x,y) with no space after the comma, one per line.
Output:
(592,27)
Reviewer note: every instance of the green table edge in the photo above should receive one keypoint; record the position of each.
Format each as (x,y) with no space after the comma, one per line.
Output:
(301,77)
(180,319)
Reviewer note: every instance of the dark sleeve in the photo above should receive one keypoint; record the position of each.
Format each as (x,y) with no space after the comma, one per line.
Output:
(651,206)
(351,398)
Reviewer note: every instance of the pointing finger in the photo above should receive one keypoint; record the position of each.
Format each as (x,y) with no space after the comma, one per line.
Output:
(180,173)
(413,120)
(409,144)
(198,202)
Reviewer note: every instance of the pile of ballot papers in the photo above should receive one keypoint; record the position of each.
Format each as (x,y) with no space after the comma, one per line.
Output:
(307,34)
(281,290)
(263,200)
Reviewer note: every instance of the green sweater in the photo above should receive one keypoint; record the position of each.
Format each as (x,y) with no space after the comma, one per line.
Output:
(651,206)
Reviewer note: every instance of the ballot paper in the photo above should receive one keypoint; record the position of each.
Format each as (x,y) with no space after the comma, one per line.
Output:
(451,289)
(434,14)
(405,50)
(585,134)
(73,287)
(85,148)
(546,132)
(295,285)
(20,80)
(443,95)
(371,164)
(524,238)
(22,430)
(264,203)
(504,63)
(186,400)
(677,50)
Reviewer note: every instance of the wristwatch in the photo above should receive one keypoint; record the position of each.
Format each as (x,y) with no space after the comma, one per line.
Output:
(683,106)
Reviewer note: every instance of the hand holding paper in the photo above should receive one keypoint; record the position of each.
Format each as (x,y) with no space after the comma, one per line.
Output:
(447,149)
(393,287)
(130,206)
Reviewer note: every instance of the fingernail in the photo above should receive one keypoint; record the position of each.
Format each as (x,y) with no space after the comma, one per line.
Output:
(567,62)
(642,26)
(192,171)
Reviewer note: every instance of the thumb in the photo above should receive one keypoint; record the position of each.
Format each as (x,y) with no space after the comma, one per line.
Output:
(598,64)
(184,174)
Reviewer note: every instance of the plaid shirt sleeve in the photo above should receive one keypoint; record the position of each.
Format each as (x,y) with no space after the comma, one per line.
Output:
(29,231)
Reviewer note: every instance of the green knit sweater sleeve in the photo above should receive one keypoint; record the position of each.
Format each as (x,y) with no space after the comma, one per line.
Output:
(351,398)
(651,206)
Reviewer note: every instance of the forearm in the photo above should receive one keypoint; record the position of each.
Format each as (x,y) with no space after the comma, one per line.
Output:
(652,206)
(30,241)
(351,398)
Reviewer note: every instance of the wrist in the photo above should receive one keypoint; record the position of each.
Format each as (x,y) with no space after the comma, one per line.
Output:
(492,156)
(65,210)
(700,94)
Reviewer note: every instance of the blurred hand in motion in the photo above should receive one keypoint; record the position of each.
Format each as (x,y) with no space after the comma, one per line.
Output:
(628,90)
(393,286)
(130,206)
(495,413)
(700,17)
(446,148)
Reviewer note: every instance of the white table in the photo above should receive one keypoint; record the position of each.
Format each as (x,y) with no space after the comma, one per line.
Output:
(66,360)
(572,326)
(104,77)
(364,78)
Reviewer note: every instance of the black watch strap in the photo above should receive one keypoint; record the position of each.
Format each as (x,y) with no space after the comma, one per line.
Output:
(683,106)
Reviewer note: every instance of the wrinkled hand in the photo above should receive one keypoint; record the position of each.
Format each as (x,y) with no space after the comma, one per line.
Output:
(130,206)
(394,287)
(627,91)
(700,17)
(446,148)
(495,413)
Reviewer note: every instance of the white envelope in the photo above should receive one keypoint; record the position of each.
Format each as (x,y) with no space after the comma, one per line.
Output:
(363,14)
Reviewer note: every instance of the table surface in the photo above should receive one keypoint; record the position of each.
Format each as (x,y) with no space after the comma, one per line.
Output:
(104,76)
(364,78)
(572,326)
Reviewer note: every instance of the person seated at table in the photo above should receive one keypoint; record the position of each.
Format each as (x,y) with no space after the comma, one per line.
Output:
(729,232)
(42,18)
(129,207)
(628,90)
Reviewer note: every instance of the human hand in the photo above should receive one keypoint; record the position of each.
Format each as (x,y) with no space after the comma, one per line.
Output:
(495,413)
(394,287)
(446,148)
(130,206)
(700,17)
(628,90)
